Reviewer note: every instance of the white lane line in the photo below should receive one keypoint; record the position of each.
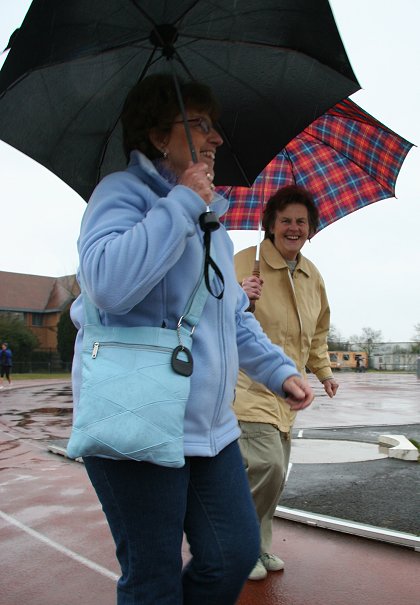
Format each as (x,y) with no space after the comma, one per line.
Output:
(66,551)
(18,478)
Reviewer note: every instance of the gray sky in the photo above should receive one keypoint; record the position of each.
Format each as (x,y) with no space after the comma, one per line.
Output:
(370,260)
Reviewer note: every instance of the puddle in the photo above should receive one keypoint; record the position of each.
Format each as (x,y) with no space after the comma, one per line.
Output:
(331,451)
(57,416)
(52,411)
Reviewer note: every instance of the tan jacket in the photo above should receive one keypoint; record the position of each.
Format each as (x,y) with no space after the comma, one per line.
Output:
(295,314)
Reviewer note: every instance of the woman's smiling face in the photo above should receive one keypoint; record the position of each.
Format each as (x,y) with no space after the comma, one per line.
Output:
(291,230)
(205,140)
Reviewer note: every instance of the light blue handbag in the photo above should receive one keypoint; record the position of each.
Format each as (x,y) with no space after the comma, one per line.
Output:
(134,389)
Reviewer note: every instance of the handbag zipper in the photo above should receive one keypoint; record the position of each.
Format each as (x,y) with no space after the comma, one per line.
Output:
(96,346)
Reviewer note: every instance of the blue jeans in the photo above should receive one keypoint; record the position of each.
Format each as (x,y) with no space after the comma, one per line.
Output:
(149,507)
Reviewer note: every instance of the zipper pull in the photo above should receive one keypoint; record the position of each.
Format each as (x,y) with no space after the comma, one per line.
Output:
(95,350)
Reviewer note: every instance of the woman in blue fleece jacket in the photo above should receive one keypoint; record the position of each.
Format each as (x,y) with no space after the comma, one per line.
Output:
(141,254)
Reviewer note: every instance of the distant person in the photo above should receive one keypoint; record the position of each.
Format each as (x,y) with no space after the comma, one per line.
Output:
(292,308)
(6,364)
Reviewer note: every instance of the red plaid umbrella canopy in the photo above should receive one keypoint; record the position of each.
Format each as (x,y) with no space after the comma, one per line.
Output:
(346,158)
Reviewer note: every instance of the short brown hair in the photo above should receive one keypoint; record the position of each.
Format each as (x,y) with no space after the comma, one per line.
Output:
(291,194)
(153,103)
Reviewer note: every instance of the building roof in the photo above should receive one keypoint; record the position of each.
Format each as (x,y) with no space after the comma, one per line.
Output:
(20,292)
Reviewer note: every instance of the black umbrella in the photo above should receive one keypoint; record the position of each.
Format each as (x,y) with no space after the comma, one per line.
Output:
(274,65)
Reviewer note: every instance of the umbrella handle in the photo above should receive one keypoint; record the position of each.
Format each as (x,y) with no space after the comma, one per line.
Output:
(256,272)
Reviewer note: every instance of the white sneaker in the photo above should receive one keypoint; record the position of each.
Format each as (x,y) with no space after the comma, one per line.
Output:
(271,562)
(259,572)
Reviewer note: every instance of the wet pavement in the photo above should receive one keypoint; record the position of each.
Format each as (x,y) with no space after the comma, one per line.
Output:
(339,469)
(53,531)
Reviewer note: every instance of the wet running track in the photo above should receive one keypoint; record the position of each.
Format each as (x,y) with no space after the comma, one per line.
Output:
(55,544)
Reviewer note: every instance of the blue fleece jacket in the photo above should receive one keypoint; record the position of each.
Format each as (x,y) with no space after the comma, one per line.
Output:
(141,255)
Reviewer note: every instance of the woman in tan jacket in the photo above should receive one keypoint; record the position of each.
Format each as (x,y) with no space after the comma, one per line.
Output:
(290,302)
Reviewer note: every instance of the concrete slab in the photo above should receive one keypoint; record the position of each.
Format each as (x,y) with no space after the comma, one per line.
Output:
(400,447)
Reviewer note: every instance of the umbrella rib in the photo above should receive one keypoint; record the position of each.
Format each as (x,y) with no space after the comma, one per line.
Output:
(111,130)
(191,39)
(187,10)
(289,160)
(97,53)
(65,130)
(145,14)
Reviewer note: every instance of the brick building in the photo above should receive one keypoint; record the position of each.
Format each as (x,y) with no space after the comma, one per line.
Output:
(39,301)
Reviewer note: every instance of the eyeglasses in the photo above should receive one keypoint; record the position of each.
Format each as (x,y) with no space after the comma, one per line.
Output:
(200,123)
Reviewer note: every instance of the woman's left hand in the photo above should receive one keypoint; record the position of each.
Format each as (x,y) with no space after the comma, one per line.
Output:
(330,386)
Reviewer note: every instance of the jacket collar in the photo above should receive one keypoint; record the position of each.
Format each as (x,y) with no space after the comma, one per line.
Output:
(274,259)
(144,168)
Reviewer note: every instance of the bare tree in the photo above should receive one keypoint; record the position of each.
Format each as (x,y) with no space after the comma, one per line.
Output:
(335,340)
(367,340)
(415,348)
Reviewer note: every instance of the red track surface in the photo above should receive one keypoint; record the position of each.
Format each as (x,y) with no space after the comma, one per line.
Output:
(56,548)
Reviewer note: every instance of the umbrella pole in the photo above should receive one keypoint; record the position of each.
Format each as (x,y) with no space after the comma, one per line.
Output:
(208,220)
(256,269)
(184,115)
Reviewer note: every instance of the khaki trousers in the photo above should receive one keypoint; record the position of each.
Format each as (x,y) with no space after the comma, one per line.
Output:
(265,451)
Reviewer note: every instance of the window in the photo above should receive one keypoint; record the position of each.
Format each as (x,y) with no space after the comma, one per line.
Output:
(346,357)
(37,319)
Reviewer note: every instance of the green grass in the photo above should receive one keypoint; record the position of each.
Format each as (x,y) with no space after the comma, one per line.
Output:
(416,443)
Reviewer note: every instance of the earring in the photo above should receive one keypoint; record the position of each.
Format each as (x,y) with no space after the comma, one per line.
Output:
(165,154)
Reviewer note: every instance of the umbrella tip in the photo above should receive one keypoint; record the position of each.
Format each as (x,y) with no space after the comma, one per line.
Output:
(11,40)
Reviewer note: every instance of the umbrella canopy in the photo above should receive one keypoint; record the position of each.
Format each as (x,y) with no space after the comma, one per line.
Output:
(274,66)
(346,158)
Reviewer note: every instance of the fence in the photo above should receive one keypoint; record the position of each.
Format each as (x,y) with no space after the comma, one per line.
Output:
(395,362)
(382,356)
(41,367)
(41,361)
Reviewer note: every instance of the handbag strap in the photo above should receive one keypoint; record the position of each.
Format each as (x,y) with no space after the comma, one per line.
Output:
(198,298)
(196,303)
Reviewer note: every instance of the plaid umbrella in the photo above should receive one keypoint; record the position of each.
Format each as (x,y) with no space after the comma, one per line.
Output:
(346,158)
